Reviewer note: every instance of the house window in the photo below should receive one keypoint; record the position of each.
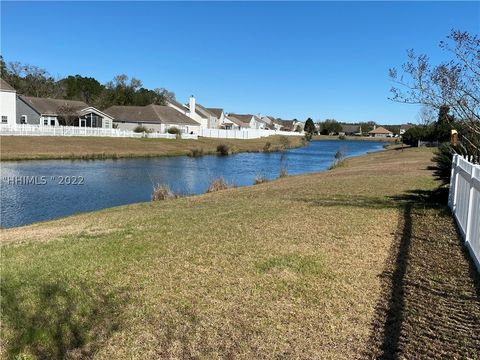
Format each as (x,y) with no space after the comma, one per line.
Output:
(4,119)
(45,121)
(52,122)
(23,119)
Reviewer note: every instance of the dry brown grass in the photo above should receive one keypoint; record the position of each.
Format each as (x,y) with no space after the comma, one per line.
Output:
(48,147)
(218,185)
(162,192)
(289,269)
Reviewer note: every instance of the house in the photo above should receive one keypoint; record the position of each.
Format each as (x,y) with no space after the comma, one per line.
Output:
(8,103)
(285,125)
(232,124)
(405,127)
(350,130)
(57,112)
(219,115)
(380,132)
(247,121)
(205,117)
(156,118)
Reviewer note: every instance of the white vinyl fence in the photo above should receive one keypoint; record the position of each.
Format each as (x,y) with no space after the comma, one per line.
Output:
(464,200)
(37,130)
(243,134)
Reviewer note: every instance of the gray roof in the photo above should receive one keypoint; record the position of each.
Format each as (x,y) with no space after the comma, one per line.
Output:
(245,118)
(349,128)
(49,106)
(177,104)
(216,111)
(5,86)
(149,114)
(203,112)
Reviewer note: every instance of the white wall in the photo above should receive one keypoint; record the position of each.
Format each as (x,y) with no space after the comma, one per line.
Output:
(132,125)
(8,106)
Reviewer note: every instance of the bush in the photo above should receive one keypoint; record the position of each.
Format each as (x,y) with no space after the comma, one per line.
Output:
(223,149)
(162,192)
(260,179)
(283,172)
(267,147)
(141,129)
(412,135)
(217,185)
(174,130)
(195,152)
(342,137)
(284,142)
(443,161)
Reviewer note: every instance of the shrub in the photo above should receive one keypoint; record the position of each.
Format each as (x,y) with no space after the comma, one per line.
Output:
(284,142)
(267,147)
(162,192)
(195,152)
(342,137)
(141,129)
(283,172)
(442,158)
(223,149)
(260,179)
(217,185)
(174,130)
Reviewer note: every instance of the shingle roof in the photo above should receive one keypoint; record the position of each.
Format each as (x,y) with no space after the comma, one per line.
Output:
(5,86)
(216,111)
(347,128)
(380,130)
(203,112)
(245,118)
(49,106)
(150,113)
(177,104)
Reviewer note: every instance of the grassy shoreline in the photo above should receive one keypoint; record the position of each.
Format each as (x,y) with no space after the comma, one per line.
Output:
(16,148)
(300,267)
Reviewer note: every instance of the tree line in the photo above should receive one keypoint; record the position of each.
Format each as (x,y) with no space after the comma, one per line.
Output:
(31,80)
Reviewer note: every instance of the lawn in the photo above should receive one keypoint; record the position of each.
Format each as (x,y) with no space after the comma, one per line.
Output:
(330,265)
(63,147)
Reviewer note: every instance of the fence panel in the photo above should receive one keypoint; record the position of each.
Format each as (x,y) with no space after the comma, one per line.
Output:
(243,134)
(464,200)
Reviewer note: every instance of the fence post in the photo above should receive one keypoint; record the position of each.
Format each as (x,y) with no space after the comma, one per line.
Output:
(451,193)
(468,228)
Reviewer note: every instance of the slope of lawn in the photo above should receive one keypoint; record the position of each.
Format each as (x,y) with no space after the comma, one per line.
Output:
(296,268)
(65,147)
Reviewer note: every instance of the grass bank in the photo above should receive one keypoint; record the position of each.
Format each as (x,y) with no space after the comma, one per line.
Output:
(60,147)
(337,265)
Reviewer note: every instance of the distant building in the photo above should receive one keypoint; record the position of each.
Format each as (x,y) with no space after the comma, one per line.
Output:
(350,130)
(155,118)
(380,132)
(8,103)
(405,127)
(57,112)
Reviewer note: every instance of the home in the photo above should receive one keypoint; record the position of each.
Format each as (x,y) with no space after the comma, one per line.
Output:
(271,122)
(197,112)
(247,121)
(405,127)
(8,103)
(219,116)
(155,118)
(232,124)
(285,125)
(57,112)
(380,132)
(350,130)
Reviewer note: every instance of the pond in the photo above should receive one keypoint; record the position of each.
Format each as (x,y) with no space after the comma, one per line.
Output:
(33,191)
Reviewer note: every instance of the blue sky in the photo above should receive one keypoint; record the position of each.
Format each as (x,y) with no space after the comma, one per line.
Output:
(291,60)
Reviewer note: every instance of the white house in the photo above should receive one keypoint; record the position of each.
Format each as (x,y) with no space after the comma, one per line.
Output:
(56,112)
(247,121)
(155,118)
(8,103)
(380,132)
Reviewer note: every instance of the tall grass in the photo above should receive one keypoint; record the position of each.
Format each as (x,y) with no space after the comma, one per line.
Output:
(162,192)
(218,184)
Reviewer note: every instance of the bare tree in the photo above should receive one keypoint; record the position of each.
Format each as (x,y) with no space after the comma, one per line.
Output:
(68,115)
(455,83)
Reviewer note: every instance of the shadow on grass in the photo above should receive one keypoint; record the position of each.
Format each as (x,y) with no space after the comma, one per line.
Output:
(52,320)
(389,336)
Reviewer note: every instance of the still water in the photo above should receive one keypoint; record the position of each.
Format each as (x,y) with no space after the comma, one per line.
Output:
(33,191)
